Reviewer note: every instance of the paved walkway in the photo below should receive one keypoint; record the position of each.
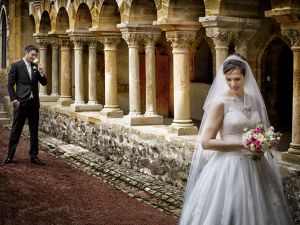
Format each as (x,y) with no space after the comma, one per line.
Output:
(61,194)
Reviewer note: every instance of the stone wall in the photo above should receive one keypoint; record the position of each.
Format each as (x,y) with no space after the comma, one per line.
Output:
(165,158)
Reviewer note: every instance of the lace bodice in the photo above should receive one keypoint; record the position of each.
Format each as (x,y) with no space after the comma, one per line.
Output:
(236,118)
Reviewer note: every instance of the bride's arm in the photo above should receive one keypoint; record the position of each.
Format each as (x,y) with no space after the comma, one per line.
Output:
(210,130)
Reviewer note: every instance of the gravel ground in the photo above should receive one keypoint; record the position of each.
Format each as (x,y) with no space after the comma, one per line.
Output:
(59,194)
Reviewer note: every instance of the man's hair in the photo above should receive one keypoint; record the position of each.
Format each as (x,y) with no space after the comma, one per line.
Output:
(30,48)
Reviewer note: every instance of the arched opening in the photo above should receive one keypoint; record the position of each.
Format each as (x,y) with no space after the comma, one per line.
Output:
(62,21)
(109,15)
(277,85)
(182,10)
(45,24)
(201,79)
(143,12)
(203,64)
(83,17)
(231,48)
(3,41)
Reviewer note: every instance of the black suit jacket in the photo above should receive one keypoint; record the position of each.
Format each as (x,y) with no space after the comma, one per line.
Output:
(19,76)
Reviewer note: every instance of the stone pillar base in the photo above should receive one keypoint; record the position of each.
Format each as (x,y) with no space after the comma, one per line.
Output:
(112,113)
(134,119)
(65,101)
(48,98)
(290,158)
(85,107)
(185,129)
(153,119)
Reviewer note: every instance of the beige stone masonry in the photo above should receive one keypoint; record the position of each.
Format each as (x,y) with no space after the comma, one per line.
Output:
(293,154)
(55,69)
(151,113)
(111,108)
(133,39)
(65,73)
(223,30)
(181,42)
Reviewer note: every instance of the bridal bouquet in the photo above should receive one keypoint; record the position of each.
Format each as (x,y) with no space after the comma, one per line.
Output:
(260,139)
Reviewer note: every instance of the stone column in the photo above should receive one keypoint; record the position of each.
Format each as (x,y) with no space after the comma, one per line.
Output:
(221,39)
(181,43)
(79,82)
(43,61)
(132,40)
(111,107)
(92,73)
(151,114)
(241,39)
(293,154)
(65,74)
(55,70)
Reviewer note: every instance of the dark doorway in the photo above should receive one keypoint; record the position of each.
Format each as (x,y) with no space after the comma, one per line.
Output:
(277,87)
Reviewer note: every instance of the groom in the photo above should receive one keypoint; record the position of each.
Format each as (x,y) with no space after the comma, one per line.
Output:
(25,75)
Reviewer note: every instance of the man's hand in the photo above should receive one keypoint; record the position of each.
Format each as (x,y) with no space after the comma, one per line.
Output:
(41,69)
(16,104)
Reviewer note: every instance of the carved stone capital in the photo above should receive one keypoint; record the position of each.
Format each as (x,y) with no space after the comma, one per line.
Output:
(221,37)
(78,43)
(110,42)
(242,37)
(181,40)
(93,43)
(55,44)
(43,43)
(150,39)
(132,38)
(293,35)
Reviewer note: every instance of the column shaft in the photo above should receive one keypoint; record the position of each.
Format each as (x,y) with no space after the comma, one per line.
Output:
(110,77)
(43,62)
(221,55)
(150,81)
(92,74)
(55,70)
(295,145)
(181,87)
(79,82)
(134,81)
(65,76)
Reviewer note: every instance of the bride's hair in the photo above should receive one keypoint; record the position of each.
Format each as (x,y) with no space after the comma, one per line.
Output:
(233,64)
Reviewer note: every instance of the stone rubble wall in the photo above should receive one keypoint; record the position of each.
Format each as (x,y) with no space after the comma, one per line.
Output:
(150,154)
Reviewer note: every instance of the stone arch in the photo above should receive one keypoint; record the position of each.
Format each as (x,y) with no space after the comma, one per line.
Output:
(62,20)
(246,9)
(277,82)
(125,7)
(181,10)
(143,12)
(109,16)
(45,23)
(4,35)
(83,17)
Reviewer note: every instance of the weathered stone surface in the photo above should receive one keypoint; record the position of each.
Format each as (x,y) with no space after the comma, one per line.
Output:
(154,155)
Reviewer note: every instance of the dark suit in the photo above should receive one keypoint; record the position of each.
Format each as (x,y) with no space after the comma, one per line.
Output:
(27,93)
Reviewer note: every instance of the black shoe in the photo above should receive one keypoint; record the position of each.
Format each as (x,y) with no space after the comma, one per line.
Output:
(8,160)
(37,161)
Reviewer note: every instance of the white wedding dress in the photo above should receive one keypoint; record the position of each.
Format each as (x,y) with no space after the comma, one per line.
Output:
(232,188)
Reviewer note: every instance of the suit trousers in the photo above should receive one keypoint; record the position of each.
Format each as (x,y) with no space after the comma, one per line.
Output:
(27,110)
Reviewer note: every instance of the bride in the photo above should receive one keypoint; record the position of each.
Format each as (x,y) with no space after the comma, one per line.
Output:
(225,185)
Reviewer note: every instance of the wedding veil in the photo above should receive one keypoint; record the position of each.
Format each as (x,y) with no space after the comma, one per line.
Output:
(253,101)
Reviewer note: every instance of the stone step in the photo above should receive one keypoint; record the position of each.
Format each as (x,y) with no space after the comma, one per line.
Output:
(3,114)
(4,120)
